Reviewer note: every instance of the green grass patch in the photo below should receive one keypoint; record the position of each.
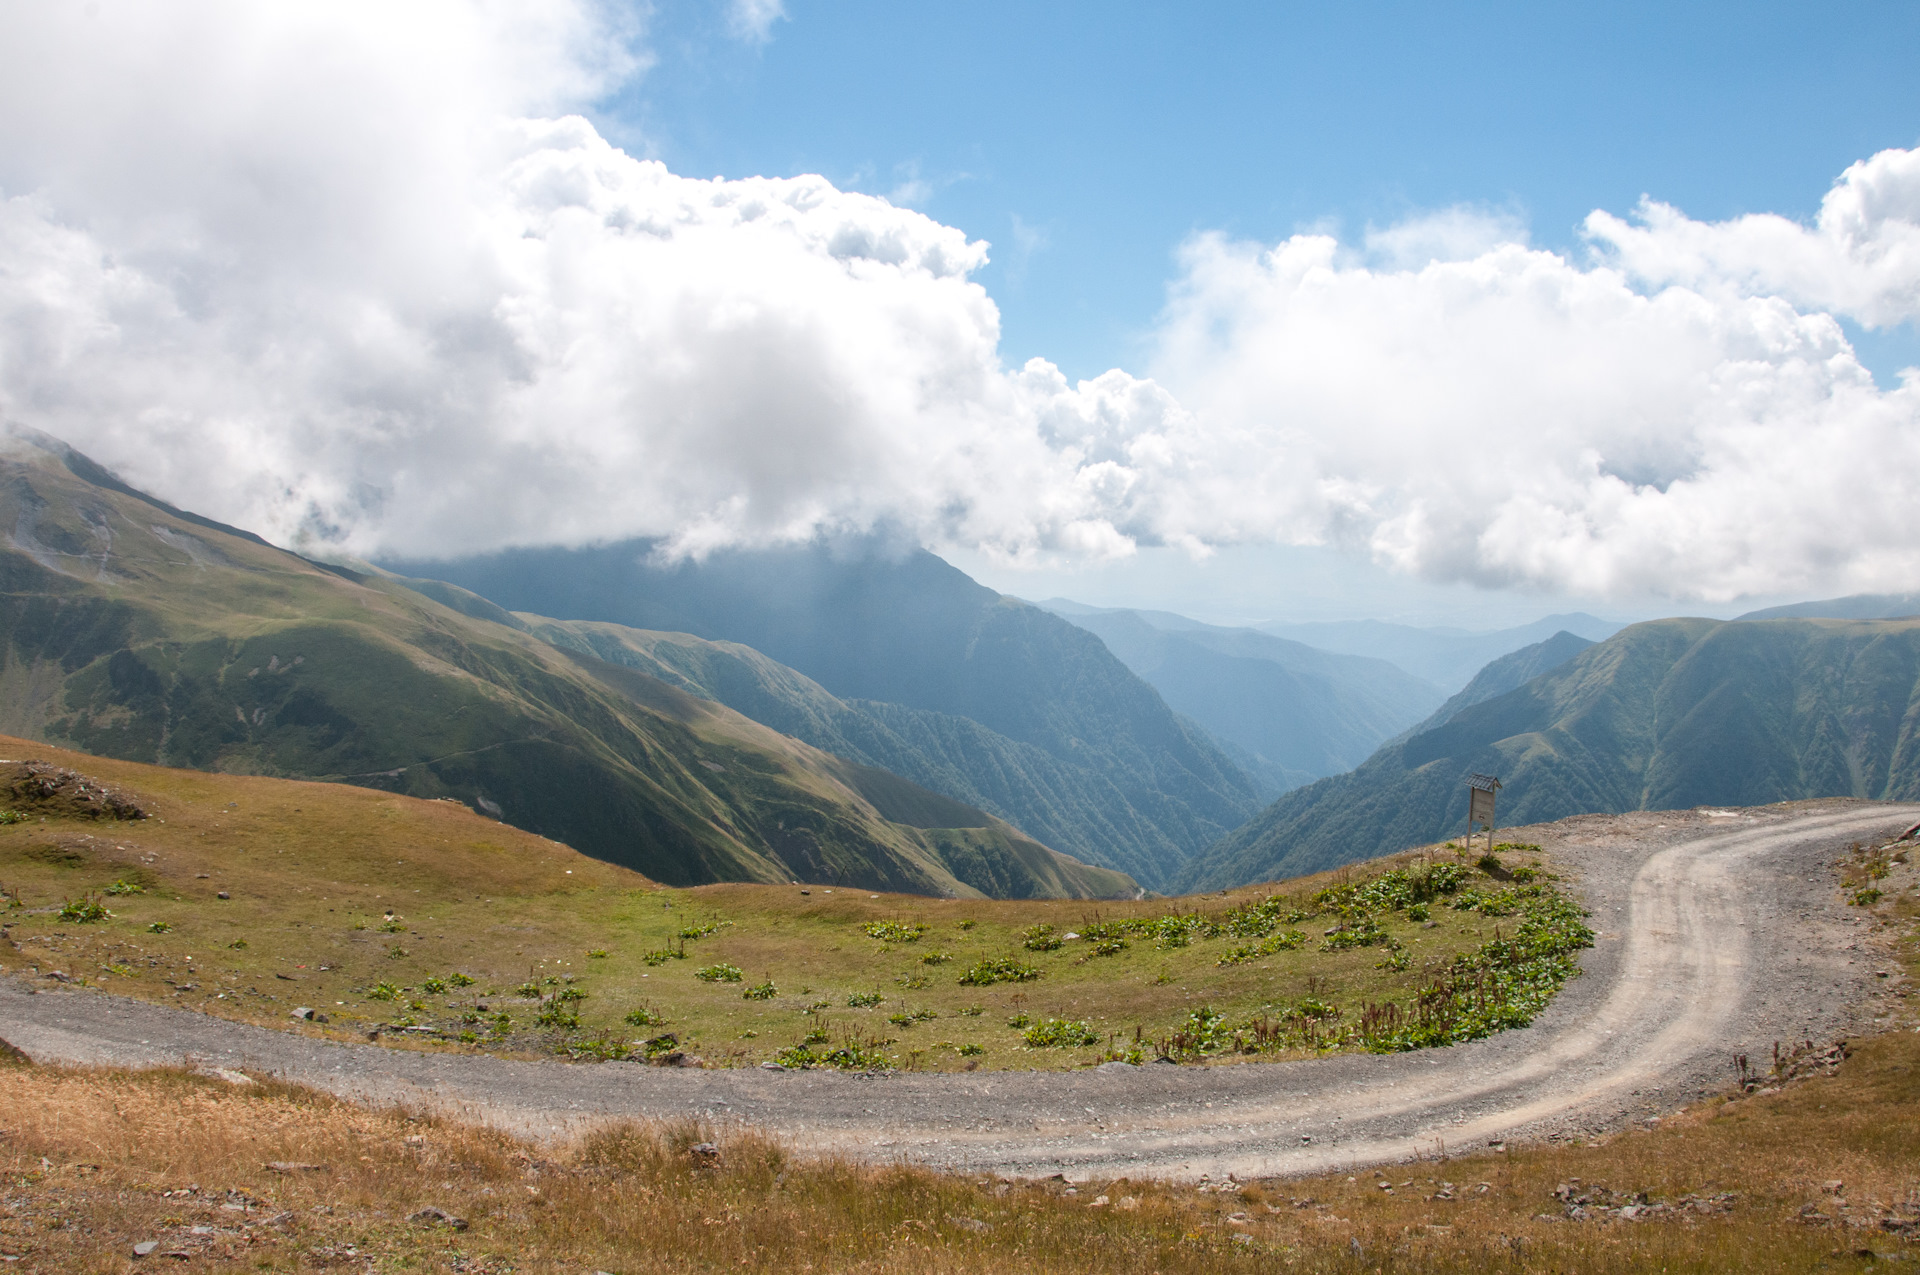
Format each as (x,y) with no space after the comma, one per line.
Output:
(1393,954)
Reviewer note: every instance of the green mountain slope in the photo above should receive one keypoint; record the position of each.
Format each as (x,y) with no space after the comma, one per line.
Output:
(1296,712)
(1664,715)
(1858,606)
(1512,670)
(908,630)
(134,630)
(1059,802)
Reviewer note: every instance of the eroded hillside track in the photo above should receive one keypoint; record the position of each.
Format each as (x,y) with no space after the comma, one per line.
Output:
(1719,933)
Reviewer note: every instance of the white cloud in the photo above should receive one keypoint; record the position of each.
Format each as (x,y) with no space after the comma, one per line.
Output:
(752,20)
(349,274)
(1515,419)
(1860,258)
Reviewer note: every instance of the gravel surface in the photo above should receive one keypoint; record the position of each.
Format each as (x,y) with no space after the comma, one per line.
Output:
(1719,933)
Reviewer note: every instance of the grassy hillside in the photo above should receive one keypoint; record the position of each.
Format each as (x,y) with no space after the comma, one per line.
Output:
(1858,606)
(251,897)
(1515,669)
(1136,789)
(1664,715)
(1063,803)
(1296,712)
(129,629)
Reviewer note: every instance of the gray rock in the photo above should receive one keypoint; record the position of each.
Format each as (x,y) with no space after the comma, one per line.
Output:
(145,1247)
(431,1215)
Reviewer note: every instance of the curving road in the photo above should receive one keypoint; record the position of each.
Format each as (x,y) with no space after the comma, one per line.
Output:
(1719,933)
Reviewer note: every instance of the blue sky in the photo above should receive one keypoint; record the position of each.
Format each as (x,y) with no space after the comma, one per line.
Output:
(1087,141)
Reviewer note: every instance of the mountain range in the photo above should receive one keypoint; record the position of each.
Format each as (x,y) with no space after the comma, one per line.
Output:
(983,697)
(1447,657)
(1858,606)
(1287,712)
(132,629)
(1663,715)
(856,713)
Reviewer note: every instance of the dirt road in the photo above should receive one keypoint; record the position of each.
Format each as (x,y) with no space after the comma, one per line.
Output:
(1719,933)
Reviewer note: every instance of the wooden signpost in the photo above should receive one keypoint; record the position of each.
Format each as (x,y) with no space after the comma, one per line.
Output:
(1480,790)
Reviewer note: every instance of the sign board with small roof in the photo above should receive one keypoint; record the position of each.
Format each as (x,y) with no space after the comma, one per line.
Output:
(1480,791)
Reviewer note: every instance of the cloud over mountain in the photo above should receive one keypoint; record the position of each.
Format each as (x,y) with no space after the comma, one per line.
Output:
(361,275)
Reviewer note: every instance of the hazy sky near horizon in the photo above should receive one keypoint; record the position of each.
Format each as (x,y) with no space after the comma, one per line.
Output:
(1383,309)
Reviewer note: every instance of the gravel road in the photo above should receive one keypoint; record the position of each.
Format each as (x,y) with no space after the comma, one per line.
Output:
(1719,933)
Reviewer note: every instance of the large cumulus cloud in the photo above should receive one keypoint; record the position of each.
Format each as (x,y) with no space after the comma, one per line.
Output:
(358,276)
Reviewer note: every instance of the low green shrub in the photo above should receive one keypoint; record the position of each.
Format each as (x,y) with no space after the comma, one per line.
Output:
(1040,938)
(126,887)
(1288,941)
(863,1000)
(644,1017)
(719,972)
(1058,1033)
(557,1013)
(894,931)
(760,992)
(84,910)
(998,969)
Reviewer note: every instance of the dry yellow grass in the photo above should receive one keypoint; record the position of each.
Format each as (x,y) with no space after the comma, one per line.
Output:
(96,1162)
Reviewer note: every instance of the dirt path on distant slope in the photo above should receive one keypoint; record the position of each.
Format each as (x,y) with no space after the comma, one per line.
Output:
(1717,935)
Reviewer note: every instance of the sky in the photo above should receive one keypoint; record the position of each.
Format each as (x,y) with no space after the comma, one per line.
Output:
(1252,312)
(1087,142)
